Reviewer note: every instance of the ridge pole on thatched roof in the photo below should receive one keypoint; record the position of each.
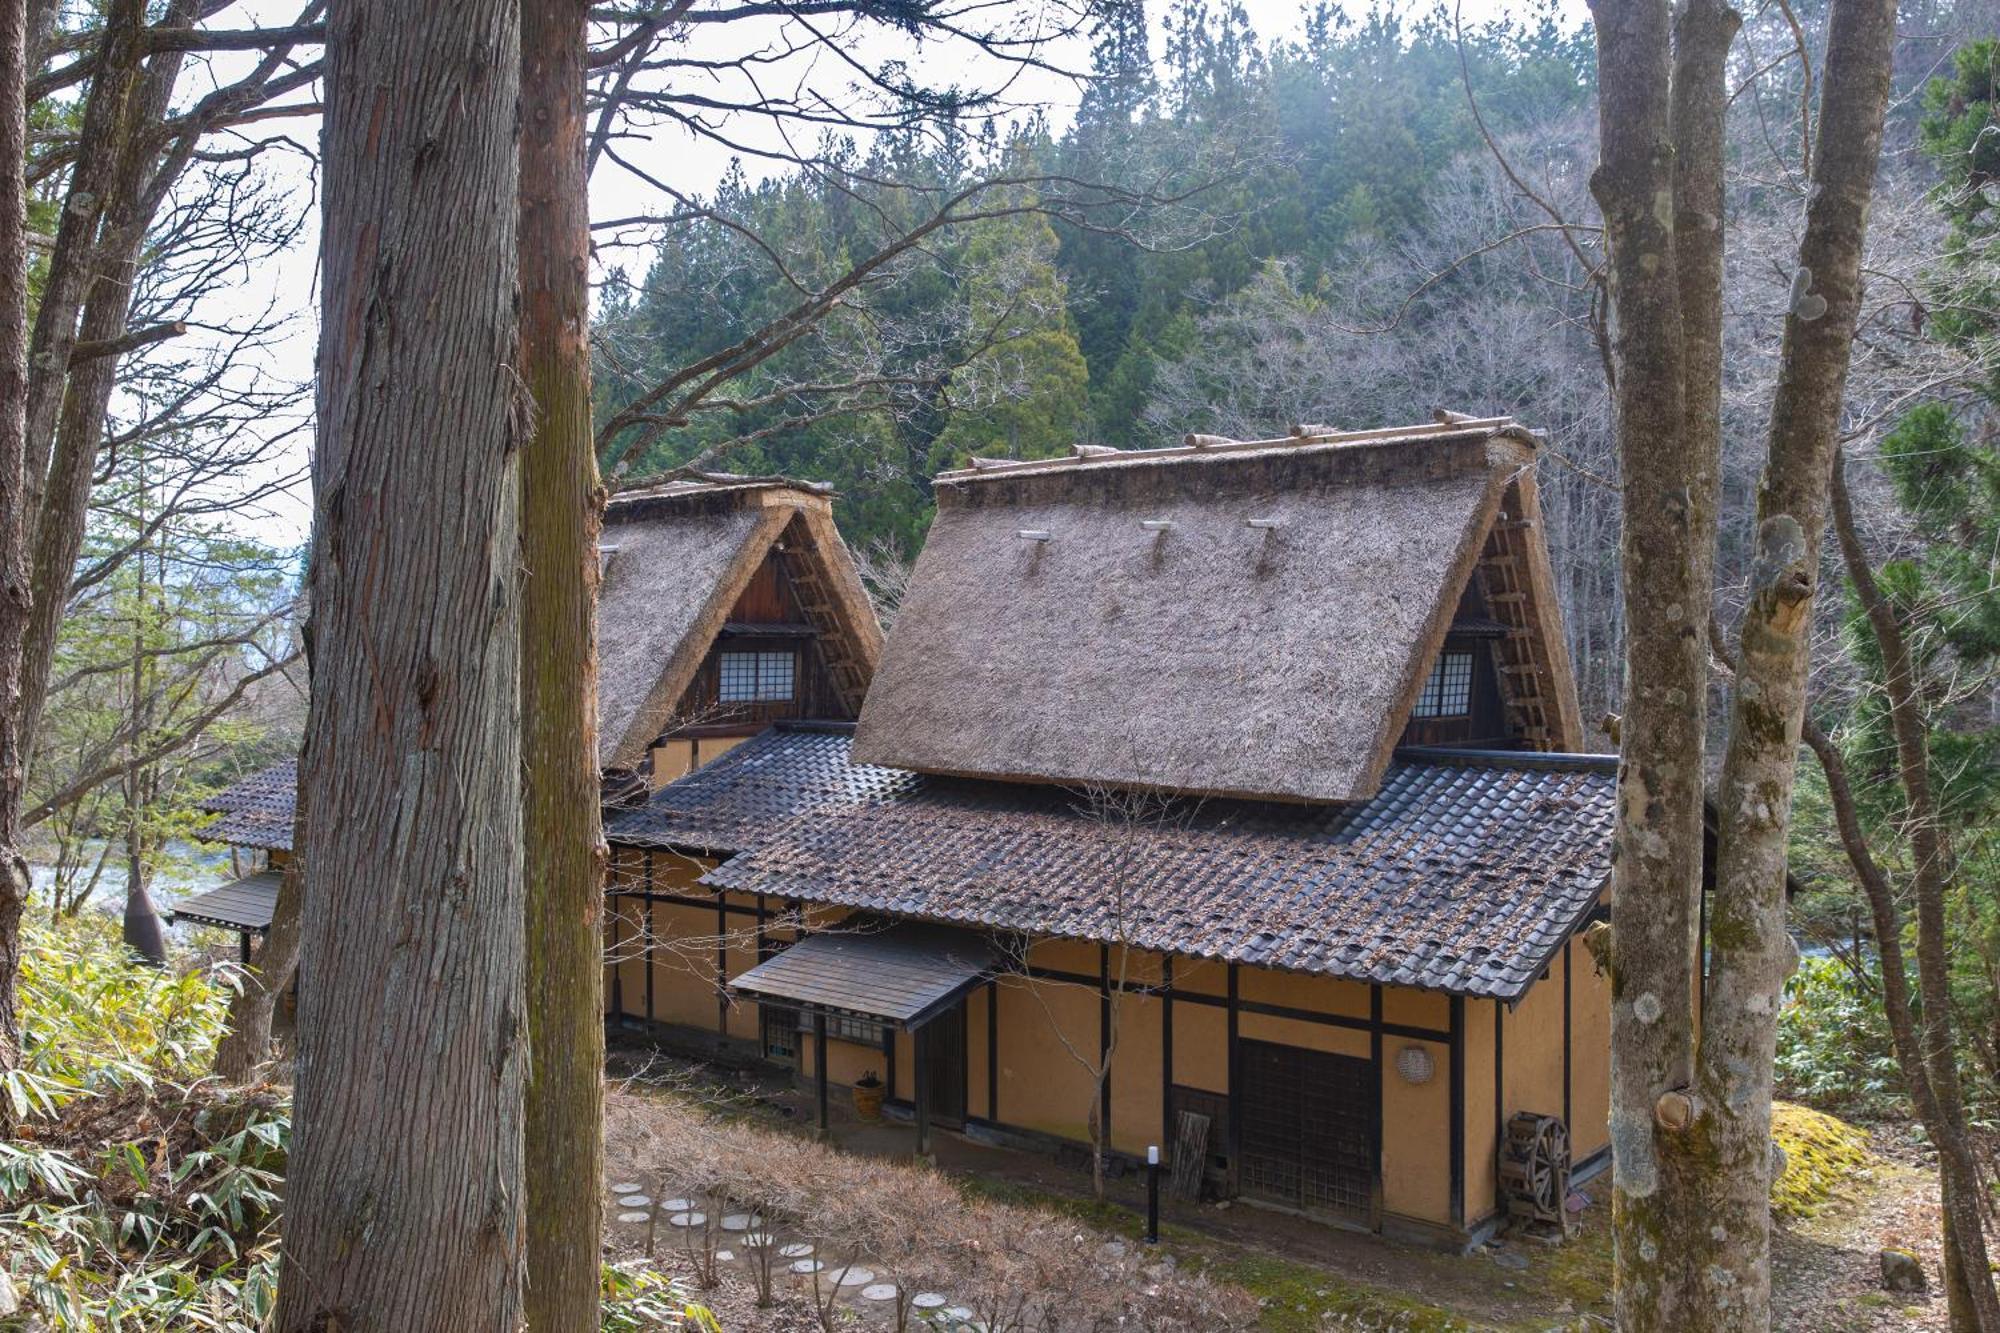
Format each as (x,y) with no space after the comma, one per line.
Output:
(1194,441)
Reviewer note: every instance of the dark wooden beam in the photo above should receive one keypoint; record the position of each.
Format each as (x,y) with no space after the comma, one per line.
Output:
(1569,960)
(1167,1136)
(647,951)
(1104,1045)
(919,1040)
(1375,1056)
(1235,1059)
(819,1065)
(992,1050)
(1457,1120)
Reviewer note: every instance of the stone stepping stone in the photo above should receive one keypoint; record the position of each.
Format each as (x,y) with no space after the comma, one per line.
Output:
(724,1256)
(633,1201)
(687,1219)
(741,1222)
(629,1187)
(881,1291)
(962,1313)
(927,1300)
(853,1277)
(803,1266)
(677,1205)
(633,1217)
(798,1250)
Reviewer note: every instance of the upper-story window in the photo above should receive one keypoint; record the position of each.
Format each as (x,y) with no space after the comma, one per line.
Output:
(1448,692)
(756,678)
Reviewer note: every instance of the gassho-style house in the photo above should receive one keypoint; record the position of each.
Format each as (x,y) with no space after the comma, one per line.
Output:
(1255,763)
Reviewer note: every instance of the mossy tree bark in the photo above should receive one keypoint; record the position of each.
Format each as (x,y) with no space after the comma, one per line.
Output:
(1750,952)
(1657,877)
(1691,1122)
(564,852)
(14,596)
(404,1190)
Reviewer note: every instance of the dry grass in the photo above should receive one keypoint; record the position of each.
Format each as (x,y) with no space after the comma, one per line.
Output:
(1021,1270)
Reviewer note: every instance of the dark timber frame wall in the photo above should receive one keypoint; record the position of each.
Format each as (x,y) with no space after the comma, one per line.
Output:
(1182,987)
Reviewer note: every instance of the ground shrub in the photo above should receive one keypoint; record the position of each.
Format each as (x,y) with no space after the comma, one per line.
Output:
(1833,1043)
(139,1194)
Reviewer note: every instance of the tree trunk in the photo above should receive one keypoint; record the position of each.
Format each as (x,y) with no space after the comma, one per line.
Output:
(1691,1127)
(564,851)
(14,596)
(1656,881)
(1924,1050)
(1751,954)
(246,1047)
(404,1194)
(110,270)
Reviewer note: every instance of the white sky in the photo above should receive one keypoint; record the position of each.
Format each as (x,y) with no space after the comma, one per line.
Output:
(693,164)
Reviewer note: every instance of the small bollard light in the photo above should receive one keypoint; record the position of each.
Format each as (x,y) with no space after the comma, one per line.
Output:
(1153,1194)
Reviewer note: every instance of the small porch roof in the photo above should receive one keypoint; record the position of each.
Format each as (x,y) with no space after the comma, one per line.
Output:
(904,973)
(245,904)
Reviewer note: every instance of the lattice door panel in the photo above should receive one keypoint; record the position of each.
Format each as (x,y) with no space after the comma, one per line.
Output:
(1309,1129)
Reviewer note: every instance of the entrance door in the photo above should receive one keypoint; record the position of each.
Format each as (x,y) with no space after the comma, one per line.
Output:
(942,1041)
(1309,1136)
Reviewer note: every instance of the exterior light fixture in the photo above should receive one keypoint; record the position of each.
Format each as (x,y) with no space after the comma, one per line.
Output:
(1156,524)
(1033,535)
(1266,523)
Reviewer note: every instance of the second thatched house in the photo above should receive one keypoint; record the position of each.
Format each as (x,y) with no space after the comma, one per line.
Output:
(1225,798)
(726,603)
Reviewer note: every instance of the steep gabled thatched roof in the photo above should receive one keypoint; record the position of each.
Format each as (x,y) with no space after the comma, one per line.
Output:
(1249,619)
(677,558)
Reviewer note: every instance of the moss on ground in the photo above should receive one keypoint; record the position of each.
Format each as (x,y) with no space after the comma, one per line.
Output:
(1297,1298)
(1822,1153)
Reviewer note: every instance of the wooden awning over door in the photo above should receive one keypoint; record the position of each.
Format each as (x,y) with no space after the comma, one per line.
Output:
(901,973)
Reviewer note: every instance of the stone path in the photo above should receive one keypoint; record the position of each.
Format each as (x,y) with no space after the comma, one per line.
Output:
(636,1212)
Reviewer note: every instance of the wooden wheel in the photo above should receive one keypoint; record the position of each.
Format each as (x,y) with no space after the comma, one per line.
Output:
(1534,1169)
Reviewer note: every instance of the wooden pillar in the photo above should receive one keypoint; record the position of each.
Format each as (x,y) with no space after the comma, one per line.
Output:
(646,951)
(1375,1055)
(1568,963)
(1167,1135)
(888,1062)
(992,1051)
(919,1039)
(1500,1076)
(1456,1121)
(721,963)
(1104,1046)
(819,1064)
(617,972)
(1234,1139)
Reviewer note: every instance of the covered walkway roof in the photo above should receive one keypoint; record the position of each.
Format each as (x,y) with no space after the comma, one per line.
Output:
(244,905)
(904,973)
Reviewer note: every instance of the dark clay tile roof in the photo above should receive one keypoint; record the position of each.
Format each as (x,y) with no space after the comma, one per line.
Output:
(734,802)
(244,904)
(1463,874)
(904,971)
(257,811)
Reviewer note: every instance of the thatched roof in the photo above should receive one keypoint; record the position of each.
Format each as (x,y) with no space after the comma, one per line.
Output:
(1239,619)
(677,557)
